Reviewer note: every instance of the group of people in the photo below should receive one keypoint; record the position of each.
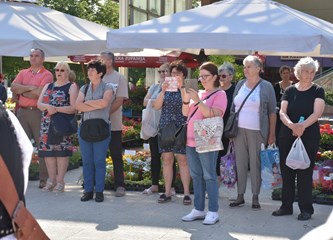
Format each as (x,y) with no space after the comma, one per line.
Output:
(39,98)
(267,115)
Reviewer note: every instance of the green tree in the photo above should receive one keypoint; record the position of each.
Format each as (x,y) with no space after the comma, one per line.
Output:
(101,12)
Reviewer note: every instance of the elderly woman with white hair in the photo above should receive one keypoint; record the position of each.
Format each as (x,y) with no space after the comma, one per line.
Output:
(256,126)
(57,97)
(304,100)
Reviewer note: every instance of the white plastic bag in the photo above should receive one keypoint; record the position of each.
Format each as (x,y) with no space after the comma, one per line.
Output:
(298,157)
(150,121)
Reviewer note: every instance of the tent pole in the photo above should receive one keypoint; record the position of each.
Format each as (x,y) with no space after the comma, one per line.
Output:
(84,73)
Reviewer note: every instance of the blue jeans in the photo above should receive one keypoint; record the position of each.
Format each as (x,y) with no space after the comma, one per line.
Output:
(203,173)
(94,164)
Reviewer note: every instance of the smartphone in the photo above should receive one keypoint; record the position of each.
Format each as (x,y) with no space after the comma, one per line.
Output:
(191,83)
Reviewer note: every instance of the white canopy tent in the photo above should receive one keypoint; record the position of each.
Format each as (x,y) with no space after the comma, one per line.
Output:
(235,27)
(24,26)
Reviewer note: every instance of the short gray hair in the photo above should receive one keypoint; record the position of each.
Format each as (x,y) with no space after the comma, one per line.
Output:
(38,49)
(306,62)
(254,59)
(109,55)
(227,66)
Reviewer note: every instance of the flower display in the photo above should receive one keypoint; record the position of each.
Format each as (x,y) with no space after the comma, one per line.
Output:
(326,140)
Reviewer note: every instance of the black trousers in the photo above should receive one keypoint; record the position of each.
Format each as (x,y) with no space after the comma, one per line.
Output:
(116,149)
(225,142)
(156,162)
(304,177)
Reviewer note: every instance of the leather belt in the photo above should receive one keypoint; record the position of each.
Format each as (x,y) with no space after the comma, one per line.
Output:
(5,232)
(29,108)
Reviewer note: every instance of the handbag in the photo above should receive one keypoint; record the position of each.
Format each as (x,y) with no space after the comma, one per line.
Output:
(231,127)
(166,136)
(150,121)
(298,157)
(228,167)
(94,130)
(208,134)
(270,167)
(181,133)
(61,124)
(25,225)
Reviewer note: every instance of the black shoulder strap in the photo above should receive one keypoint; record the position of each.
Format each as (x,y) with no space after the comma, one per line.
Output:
(241,106)
(188,119)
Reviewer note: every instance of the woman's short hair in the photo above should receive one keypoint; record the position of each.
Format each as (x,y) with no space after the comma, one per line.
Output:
(284,67)
(164,66)
(212,69)
(98,65)
(71,73)
(179,66)
(306,62)
(254,59)
(228,67)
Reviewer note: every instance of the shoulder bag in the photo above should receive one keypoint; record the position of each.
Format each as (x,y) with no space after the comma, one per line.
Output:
(231,127)
(181,133)
(25,225)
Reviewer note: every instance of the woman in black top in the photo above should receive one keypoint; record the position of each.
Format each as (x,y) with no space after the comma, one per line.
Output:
(304,99)
(226,73)
(279,89)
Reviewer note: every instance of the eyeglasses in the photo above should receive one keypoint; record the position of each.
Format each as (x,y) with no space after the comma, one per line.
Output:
(36,55)
(61,70)
(162,71)
(224,76)
(204,77)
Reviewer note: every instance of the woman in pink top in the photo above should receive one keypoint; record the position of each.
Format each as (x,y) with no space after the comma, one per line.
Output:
(203,165)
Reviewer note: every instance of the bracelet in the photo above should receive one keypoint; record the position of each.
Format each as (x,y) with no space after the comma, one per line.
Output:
(186,103)
(182,87)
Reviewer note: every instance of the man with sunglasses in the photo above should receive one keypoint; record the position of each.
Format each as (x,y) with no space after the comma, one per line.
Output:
(27,87)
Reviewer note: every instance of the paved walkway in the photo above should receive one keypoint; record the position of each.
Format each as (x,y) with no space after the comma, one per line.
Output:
(137,216)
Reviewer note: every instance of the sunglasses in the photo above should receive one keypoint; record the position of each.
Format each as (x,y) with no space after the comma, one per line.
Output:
(162,71)
(224,76)
(60,70)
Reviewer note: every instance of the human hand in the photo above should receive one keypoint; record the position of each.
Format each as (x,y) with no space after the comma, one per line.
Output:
(51,109)
(164,86)
(194,95)
(298,129)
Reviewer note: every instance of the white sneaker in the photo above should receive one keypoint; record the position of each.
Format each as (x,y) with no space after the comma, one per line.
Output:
(194,215)
(211,218)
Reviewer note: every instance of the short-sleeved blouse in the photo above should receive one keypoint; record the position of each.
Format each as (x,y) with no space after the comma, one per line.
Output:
(98,93)
(301,103)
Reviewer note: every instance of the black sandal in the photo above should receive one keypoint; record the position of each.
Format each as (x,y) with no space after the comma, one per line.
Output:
(187,200)
(163,198)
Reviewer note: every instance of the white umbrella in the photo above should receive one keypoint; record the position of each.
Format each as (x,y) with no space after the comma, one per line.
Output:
(25,25)
(231,27)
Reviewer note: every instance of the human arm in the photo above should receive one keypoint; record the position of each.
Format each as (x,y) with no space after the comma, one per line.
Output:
(73,93)
(117,103)
(45,106)
(158,103)
(147,98)
(272,125)
(90,105)
(18,88)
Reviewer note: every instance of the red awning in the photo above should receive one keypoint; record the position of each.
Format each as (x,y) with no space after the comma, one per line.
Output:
(140,61)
